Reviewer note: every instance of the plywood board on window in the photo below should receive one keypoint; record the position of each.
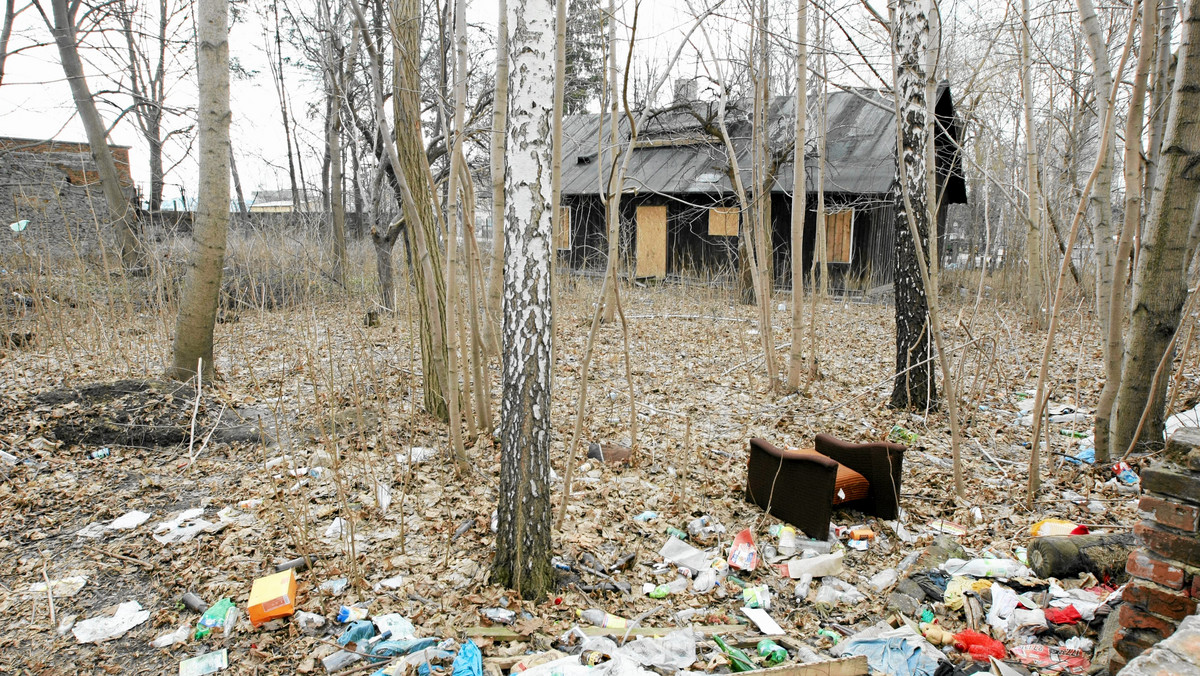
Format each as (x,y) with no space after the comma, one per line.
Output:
(723,222)
(839,236)
(562,236)
(651,242)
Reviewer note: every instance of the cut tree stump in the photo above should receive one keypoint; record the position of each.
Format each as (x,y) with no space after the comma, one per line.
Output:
(1103,555)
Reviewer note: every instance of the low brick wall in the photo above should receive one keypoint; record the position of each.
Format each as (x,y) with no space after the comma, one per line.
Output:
(1165,584)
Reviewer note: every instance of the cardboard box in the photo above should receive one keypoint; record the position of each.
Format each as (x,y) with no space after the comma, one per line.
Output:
(273,596)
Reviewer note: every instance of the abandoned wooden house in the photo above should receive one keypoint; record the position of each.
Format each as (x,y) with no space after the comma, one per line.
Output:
(679,212)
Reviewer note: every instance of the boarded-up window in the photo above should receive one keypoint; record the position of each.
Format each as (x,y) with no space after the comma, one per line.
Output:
(651,242)
(562,237)
(839,236)
(723,222)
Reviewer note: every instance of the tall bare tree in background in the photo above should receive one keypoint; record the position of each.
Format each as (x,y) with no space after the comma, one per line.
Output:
(428,275)
(1160,281)
(153,54)
(1101,196)
(799,197)
(193,346)
(1035,283)
(124,218)
(495,278)
(523,540)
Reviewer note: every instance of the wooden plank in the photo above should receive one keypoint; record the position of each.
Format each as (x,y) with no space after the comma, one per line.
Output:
(562,237)
(723,222)
(846,666)
(651,242)
(497,633)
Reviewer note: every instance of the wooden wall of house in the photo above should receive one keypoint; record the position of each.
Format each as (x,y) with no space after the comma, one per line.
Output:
(692,251)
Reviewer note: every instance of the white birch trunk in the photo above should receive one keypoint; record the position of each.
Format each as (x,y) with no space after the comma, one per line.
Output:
(523,540)
(1101,200)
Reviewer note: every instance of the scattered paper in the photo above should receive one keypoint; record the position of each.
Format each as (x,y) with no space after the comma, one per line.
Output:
(185,526)
(765,623)
(129,521)
(335,529)
(62,588)
(100,629)
(209,663)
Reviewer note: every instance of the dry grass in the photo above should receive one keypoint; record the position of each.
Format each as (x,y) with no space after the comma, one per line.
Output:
(345,397)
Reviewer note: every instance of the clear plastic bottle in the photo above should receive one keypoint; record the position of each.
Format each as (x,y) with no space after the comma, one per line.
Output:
(675,586)
(599,618)
(803,585)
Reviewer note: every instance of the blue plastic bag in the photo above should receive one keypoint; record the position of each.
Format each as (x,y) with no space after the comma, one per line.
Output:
(469,661)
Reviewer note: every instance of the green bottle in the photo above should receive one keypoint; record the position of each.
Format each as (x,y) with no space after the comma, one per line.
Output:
(738,660)
(771,652)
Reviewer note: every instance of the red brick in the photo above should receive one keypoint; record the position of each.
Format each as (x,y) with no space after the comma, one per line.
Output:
(1116,662)
(1144,564)
(1195,590)
(1132,618)
(1170,545)
(1159,600)
(1176,483)
(1129,643)
(1170,513)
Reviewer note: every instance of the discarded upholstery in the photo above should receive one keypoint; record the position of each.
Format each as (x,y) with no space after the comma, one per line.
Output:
(801,486)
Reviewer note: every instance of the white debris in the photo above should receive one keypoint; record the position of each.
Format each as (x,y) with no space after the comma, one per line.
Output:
(129,521)
(62,588)
(100,629)
(416,455)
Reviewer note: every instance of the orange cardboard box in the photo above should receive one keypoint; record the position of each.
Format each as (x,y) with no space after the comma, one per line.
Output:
(273,596)
(862,534)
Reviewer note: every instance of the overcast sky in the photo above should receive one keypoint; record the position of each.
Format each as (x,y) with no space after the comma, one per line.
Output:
(35,101)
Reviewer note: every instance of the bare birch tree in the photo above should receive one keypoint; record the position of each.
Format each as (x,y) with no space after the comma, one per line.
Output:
(914,386)
(1101,201)
(799,197)
(523,542)
(193,345)
(495,279)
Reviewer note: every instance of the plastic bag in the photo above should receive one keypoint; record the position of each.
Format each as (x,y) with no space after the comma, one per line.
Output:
(469,661)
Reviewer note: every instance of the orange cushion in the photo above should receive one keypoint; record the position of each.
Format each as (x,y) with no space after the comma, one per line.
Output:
(849,484)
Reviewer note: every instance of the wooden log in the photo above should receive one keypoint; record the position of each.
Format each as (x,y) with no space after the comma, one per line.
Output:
(846,666)
(1103,555)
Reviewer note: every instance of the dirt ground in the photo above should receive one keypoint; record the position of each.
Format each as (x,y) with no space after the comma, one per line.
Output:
(337,395)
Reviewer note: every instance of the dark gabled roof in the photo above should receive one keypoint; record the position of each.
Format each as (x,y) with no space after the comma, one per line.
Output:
(677,154)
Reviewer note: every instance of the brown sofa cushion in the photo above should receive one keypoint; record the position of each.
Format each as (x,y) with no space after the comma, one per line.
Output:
(849,485)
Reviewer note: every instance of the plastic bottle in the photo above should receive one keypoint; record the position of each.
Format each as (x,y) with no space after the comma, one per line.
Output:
(697,525)
(599,618)
(771,652)
(901,434)
(831,635)
(221,615)
(682,535)
(883,579)
(803,585)
(738,660)
(675,586)
(787,540)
